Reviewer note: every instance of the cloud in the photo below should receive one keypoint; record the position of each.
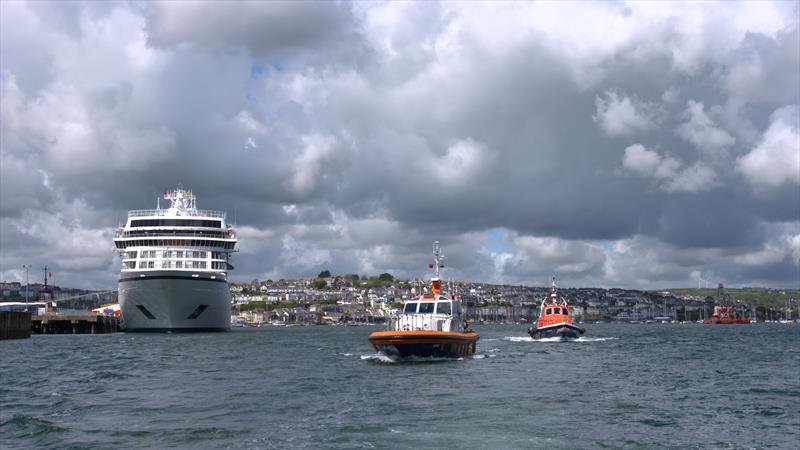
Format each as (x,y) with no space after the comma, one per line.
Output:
(306,166)
(700,130)
(357,133)
(776,158)
(618,116)
(669,172)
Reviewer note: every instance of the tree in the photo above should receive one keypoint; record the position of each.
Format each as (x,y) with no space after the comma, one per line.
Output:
(320,284)
(324,274)
(386,277)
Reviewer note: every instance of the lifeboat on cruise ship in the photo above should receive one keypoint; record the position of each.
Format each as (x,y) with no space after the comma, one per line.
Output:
(432,324)
(555,319)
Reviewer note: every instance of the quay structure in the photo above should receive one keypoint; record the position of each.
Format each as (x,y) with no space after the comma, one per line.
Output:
(74,322)
(15,325)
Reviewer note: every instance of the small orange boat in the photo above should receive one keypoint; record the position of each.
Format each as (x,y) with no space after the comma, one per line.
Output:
(726,315)
(555,319)
(432,324)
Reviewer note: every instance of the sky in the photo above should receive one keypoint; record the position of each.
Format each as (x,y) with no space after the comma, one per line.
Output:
(637,144)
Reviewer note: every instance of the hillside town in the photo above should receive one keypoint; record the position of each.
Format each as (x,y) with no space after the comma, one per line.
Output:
(351,299)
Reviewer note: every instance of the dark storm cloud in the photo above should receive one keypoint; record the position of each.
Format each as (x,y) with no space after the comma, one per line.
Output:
(349,136)
(280,33)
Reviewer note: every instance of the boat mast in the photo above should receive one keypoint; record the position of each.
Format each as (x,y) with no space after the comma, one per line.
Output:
(436,283)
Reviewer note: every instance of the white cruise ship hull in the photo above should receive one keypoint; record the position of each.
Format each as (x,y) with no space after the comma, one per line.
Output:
(174,301)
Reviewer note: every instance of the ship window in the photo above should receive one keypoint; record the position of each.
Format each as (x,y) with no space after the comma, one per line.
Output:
(175,223)
(180,254)
(410,308)
(426,308)
(556,310)
(179,264)
(549,311)
(443,308)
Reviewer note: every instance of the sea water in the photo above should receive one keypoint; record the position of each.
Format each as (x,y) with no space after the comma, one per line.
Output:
(619,386)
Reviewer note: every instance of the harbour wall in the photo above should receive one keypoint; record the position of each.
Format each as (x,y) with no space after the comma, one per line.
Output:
(15,325)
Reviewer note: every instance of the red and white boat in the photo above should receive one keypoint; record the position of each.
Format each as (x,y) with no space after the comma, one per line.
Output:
(432,324)
(726,315)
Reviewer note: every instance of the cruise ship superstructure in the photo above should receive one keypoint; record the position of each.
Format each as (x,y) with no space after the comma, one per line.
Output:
(175,264)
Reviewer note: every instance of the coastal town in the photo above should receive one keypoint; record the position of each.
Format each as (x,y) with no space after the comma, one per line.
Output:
(353,299)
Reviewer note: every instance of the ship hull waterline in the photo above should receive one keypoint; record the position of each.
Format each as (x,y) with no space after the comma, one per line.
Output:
(563,331)
(404,344)
(175,301)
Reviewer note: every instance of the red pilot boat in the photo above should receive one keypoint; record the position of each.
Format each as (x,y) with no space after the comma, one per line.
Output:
(555,319)
(726,315)
(432,324)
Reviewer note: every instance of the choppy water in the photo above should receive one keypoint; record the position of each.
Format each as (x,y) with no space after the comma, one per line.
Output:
(621,386)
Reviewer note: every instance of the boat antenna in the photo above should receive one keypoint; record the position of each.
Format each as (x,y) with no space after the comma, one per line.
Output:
(437,258)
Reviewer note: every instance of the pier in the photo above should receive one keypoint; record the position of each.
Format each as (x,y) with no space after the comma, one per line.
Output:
(75,322)
(15,325)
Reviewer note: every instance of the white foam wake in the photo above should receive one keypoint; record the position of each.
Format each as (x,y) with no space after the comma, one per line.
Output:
(556,339)
(378,357)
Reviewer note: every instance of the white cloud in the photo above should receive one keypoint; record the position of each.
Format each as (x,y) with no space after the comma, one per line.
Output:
(462,161)
(671,174)
(619,116)
(776,158)
(701,131)
(307,165)
(302,254)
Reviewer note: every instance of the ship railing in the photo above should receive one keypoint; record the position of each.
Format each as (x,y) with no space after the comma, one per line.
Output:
(187,212)
(156,233)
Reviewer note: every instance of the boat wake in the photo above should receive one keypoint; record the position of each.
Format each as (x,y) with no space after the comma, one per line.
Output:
(378,358)
(383,359)
(556,339)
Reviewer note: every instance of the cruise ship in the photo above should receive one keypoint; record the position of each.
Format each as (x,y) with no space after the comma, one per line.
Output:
(175,264)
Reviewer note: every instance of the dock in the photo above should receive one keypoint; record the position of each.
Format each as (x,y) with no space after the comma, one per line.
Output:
(75,322)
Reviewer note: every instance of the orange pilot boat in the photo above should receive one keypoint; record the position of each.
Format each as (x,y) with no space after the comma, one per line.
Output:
(555,319)
(432,324)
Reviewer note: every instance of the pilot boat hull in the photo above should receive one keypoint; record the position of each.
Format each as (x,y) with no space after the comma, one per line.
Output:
(565,331)
(403,344)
